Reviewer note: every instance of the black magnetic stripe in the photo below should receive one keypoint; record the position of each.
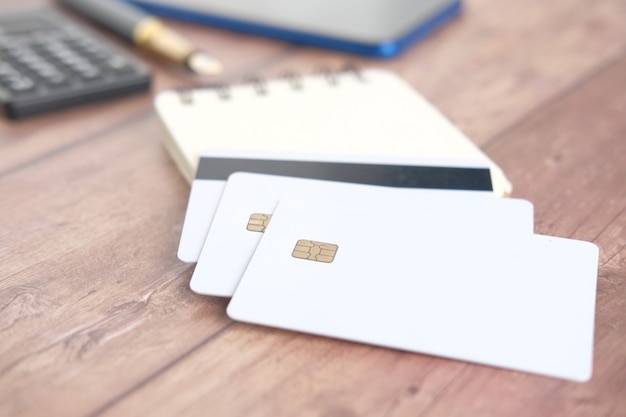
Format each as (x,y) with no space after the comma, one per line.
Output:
(409,176)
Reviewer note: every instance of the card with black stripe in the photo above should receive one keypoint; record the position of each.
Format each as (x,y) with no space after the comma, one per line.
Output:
(215,167)
(248,201)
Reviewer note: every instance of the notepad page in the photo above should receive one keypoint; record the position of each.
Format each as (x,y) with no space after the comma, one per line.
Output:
(373,112)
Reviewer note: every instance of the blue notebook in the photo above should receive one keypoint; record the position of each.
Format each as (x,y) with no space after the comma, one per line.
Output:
(379,28)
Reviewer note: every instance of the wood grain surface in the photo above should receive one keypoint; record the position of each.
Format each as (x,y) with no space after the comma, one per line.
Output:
(96,316)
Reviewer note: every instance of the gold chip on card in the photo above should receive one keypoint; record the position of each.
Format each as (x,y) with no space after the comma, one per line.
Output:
(315,251)
(258,222)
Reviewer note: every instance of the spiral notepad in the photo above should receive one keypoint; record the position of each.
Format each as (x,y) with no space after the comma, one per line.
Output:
(370,112)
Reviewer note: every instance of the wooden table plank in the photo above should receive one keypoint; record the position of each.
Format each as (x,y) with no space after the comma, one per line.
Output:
(93,298)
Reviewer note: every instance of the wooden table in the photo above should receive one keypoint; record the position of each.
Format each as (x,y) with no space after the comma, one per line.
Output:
(96,317)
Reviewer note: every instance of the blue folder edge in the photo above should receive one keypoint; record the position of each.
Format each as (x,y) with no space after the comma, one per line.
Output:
(386,49)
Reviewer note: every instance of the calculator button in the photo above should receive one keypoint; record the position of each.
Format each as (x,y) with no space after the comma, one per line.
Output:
(6,69)
(29,58)
(118,64)
(88,47)
(57,82)
(19,83)
(43,69)
(89,73)
(16,51)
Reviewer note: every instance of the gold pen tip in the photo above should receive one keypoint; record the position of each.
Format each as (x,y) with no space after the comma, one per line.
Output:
(203,64)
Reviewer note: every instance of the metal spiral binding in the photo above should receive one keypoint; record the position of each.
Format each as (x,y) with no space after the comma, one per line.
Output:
(330,75)
(185,95)
(294,79)
(258,84)
(223,91)
(354,70)
(260,87)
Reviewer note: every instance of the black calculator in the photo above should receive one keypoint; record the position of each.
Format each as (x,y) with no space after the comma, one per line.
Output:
(49,61)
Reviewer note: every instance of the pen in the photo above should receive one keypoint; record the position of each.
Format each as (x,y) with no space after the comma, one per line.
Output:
(147,32)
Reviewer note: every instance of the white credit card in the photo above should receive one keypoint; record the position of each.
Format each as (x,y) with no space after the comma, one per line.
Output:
(215,167)
(368,273)
(248,199)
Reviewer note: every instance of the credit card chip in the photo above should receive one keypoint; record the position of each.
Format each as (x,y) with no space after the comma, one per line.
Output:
(315,251)
(258,222)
